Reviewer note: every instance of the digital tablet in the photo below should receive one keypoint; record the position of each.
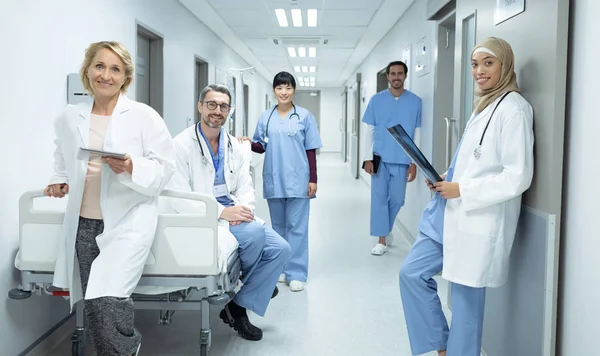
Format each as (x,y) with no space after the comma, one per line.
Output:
(104,153)
(414,153)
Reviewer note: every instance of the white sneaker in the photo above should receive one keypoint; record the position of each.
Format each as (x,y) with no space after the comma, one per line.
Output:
(281,278)
(379,250)
(296,286)
(389,239)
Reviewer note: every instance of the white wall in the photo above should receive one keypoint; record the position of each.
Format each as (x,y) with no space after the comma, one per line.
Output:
(411,27)
(42,42)
(331,113)
(580,267)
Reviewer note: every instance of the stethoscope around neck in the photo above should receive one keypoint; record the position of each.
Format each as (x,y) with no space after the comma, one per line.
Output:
(290,133)
(477,151)
(204,159)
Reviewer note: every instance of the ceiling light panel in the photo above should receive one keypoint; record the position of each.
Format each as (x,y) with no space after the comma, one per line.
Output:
(297,17)
(281,17)
(292,51)
(304,69)
(297,69)
(311,16)
(312,52)
(312,69)
(302,51)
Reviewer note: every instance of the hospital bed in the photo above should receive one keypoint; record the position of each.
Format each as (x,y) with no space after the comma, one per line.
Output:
(189,267)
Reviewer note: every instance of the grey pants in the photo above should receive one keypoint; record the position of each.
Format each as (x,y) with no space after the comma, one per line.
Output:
(110,319)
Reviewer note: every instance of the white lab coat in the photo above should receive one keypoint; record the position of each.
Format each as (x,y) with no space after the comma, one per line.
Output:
(480,226)
(128,201)
(193,175)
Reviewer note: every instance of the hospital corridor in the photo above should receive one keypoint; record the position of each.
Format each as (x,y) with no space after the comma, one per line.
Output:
(344,309)
(299,178)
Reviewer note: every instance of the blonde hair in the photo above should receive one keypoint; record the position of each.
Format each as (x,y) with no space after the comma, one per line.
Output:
(115,47)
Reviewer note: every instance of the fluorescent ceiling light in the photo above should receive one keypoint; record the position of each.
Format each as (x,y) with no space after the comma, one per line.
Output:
(297,17)
(302,52)
(312,52)
(301,84)
(312,17)
(312,79)
(313,69)
(297,69)
(312,84)
(305,69)
(292,51)
(281,17)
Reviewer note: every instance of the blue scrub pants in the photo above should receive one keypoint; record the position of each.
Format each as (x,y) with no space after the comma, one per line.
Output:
(427,325)
(263,254)
(289,217)
(388,189)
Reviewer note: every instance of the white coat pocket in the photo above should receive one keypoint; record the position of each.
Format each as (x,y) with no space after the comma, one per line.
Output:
(484,222)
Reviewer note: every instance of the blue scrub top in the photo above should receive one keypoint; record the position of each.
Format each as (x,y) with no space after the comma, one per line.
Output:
(285,171)
(218,159)
(432,220)
(386,111)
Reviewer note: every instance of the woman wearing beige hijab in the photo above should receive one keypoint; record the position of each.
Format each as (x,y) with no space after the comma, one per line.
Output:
(468,228)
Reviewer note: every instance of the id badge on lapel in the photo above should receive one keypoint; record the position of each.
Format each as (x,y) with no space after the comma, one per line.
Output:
(220,190)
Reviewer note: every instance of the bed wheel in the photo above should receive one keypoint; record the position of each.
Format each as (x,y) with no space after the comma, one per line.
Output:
(18,294)
(203,350)
(78,343)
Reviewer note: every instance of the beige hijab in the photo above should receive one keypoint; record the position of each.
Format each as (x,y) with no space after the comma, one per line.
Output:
(500,49)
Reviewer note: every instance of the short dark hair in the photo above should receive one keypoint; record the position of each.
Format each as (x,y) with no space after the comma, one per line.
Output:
(284,78)
(219,88)
(396,63)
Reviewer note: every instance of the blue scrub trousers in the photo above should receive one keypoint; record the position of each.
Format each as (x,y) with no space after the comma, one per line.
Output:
(427,325)
(289,217)
(263,254)
(388,190)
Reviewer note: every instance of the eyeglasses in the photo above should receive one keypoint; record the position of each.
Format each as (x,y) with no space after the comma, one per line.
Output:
(211,105)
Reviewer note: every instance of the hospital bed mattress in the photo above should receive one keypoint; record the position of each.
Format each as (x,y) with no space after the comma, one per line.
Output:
(185,245)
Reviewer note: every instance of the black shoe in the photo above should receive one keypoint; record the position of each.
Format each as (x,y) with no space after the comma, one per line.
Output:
(275,292)
(242,325)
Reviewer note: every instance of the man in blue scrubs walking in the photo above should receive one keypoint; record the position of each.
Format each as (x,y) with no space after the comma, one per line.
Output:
(389,166)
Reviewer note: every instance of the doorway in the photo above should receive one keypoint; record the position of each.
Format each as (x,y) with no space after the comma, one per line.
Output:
(382,81)
(201,76)
(445,130)
(233,116)
(149,68)
(311,101)
(354,113)
(344,125)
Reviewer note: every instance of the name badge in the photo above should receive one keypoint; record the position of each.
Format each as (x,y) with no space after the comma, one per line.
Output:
(220,190)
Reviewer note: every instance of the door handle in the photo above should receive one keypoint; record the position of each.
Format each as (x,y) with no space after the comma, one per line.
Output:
(449,125)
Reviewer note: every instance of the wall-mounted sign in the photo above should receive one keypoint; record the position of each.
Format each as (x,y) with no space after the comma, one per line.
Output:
(505,9)
(406,54)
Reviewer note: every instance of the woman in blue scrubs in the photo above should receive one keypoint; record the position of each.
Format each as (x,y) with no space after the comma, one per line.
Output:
(288,136)
(469,226)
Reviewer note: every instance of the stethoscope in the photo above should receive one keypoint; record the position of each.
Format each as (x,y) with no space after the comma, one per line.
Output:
(290,133)
(204,159)
(477,151)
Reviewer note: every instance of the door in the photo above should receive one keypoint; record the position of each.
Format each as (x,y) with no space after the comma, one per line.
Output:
(201,83)
(445,126)
(149,68)
(344,126)
(246,104)
(382,81)
(311,101)
(354,117)
(233,116)
(142,73)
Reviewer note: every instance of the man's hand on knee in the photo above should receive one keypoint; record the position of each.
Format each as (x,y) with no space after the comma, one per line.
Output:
(238,213)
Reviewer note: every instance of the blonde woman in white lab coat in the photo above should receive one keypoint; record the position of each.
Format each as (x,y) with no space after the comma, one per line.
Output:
(112,211)
(468,228)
